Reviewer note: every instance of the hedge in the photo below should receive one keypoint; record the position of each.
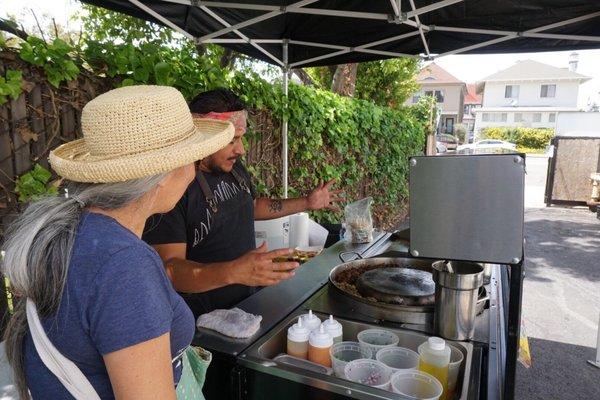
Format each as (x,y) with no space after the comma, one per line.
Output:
(530,138)
(363,146)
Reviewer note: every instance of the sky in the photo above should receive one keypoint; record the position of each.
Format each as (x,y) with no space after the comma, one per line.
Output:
(468,68)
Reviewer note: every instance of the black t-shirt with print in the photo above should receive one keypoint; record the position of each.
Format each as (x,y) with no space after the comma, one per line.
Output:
(211,237)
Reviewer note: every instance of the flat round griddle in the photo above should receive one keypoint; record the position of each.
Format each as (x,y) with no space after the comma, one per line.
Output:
(396,285)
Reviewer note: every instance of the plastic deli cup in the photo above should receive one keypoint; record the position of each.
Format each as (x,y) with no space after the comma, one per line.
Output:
(368,372)
(416,385)
(377,339)
(398,358)
(344,352)
(456,359)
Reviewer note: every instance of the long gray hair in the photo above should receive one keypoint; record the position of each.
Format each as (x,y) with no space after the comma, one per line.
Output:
(38,247)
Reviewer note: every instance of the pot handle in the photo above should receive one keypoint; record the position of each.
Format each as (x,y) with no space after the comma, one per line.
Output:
(343,253)
(484,298)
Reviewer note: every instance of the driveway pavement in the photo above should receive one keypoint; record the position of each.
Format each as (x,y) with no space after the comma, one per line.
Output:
(561,296)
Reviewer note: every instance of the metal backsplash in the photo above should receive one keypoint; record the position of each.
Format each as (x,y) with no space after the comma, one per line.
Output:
(467,207)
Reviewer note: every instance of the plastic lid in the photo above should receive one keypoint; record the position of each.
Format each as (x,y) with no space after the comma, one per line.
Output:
(436,343)
(298,332)
(333,327)
(320,338)
(311,320)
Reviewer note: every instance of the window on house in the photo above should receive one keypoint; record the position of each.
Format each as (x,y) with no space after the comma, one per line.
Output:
(503,117)
(485,117)
(416,97)
(551,117)
(511,92)
(548,91)
(438,94)
(518,117)
(537,117)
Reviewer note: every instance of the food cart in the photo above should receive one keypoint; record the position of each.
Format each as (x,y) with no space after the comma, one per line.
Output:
(482,219)
(492,212)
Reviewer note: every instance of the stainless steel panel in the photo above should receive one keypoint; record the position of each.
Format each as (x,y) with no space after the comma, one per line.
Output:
(259,357)
(467,207)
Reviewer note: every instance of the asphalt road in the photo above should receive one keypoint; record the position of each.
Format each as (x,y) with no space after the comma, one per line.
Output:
(561,297)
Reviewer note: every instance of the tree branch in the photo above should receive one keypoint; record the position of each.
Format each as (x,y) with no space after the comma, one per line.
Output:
(6,26)
(304,76)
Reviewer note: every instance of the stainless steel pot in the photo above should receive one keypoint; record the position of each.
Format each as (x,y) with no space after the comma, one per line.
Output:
(415,314)
(456,295)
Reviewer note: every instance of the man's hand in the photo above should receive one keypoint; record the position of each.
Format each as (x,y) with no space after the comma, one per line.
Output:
(323,197)
(256,268)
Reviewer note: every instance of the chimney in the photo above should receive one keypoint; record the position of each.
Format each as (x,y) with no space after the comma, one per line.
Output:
(573,61)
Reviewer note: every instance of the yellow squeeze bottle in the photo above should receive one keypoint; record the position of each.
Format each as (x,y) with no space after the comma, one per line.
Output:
(434,359)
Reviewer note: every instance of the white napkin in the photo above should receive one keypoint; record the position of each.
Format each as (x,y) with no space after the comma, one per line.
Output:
(235,323)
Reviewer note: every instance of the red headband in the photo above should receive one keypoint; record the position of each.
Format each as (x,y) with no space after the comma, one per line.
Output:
(237,118)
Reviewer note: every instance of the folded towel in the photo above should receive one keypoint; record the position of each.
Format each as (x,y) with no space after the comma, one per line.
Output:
(234,323)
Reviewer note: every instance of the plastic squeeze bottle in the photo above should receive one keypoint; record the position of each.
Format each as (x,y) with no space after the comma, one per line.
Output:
(310,320)
(334,328)
(297,340)
(319,343)
(434,358)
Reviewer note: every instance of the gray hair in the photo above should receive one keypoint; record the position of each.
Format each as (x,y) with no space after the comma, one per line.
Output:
(38,247)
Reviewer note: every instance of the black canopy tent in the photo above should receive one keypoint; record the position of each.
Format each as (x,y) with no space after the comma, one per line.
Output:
(296,34)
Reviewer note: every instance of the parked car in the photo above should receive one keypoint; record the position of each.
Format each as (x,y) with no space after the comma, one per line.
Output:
(451,142)
(489,144)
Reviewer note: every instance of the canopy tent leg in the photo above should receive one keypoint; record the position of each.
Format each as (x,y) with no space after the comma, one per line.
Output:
(596,363)
(284,124)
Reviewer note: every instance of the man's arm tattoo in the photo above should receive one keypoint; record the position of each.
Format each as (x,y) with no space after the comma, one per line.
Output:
(275,206)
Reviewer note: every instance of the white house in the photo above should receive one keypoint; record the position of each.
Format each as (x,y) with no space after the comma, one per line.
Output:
(528,94)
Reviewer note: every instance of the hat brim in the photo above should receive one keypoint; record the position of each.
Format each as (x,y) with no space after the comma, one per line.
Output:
(73,162)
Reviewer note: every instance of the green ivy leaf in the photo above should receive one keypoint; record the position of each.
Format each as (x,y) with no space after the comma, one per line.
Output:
(127,82)
(41,174)
(162,72)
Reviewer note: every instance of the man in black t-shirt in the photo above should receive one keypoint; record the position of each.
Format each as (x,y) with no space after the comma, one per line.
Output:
(207,241)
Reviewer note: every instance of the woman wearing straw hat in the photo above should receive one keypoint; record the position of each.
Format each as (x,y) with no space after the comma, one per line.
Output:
(98,317)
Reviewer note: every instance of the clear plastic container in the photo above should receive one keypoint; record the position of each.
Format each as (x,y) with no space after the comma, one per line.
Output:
(377,339)
(368,372)
(434,359)
(456,360)
(416,385)
(344,352)
(398,358)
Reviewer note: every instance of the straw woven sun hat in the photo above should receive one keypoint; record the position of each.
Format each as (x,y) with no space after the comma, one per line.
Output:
(137,131)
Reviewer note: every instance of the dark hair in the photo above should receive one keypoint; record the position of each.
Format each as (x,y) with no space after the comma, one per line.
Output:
(218,100)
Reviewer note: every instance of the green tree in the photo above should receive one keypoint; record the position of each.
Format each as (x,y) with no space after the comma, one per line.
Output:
(387,82)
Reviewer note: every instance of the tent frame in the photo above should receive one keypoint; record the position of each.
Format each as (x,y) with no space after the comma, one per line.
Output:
(396,16)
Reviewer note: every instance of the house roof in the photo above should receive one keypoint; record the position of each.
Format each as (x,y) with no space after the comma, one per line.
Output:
(472,97)
(434,74)
(533,70)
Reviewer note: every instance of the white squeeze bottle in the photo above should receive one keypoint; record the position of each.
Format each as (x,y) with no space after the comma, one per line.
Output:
(297,340)
(334,328)
(434,359)
(319,343)
(310,320)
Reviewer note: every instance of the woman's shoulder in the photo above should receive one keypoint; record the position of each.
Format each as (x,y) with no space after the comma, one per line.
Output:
(101,242)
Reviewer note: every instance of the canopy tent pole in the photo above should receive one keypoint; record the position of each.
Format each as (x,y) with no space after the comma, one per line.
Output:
(284,124)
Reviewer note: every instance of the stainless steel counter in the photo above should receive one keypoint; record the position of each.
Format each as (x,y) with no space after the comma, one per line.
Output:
(275,303)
